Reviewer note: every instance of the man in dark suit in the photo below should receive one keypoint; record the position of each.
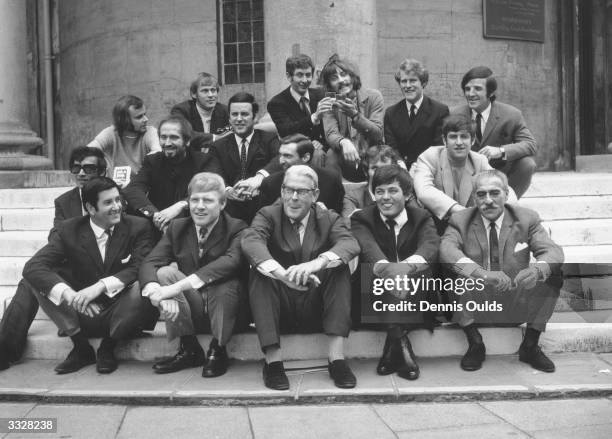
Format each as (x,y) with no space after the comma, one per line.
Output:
(209,119)
(159,190)
(491,244)
(300,281)
(399,240)
(414,123)
(501,133)
(85,163)
(298,149)
(99,296)
(299,109)
(195,270)
(246,157)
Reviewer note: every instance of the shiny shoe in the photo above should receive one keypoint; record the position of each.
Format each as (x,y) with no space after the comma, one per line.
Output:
(217,362)
(474,357)
(182,360)
(76,359)
(536,358)
(390,360)
(341,373)
(409,370)
(274,376)
(106,361)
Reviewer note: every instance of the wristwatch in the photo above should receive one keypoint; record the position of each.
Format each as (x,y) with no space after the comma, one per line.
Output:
(503,152)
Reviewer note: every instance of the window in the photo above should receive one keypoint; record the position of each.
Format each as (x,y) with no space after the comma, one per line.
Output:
(241,36)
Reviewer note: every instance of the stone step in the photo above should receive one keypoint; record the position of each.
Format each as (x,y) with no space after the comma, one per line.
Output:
(575,207)
(580,232)
(30,198)
(564,184)
(17,243)
(40,219)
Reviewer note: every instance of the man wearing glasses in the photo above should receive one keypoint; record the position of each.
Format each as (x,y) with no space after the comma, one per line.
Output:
(300,280)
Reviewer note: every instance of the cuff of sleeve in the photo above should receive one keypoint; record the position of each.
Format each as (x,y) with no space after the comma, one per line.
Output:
(415,259)
(313,119)
(263,173)
(267,267)
(55,295)
(544,270)
(466,266)
(195,281)
(146,291)
(334,259)
(113,286)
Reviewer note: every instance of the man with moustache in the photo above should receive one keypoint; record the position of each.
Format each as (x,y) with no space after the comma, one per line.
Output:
(493,242)
(98,295)
(414,123)
(159,190)
(85,163)
(300,280)
(501,133)
(193,275)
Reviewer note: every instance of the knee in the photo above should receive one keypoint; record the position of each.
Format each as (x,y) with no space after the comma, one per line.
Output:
(167,275)
(526,165)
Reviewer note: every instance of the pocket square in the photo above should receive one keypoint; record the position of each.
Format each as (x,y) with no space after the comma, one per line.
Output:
(127,259)
(520,246)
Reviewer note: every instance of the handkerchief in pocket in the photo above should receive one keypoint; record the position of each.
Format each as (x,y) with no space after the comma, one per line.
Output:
(127,259)
(520,246)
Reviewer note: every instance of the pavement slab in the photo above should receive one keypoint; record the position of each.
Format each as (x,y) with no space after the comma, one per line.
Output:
(602,431)
(470,432)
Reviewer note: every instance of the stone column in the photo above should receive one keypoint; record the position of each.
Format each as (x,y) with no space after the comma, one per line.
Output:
(17,140)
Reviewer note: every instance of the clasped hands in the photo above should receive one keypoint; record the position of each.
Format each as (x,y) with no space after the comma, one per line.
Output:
(303,276)
(161,297)
(525,279)
(245,189)
(81,300)
(162,218)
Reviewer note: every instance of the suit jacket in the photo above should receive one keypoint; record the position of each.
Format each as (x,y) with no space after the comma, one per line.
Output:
(418,236)
(219,119)
(289,118)
(263,154)
(434,184)
(466,236)
(412,138)
(160,184)
(68,205)
(271,236)
(221,259)
(330,185)
(505,127)
(74,242)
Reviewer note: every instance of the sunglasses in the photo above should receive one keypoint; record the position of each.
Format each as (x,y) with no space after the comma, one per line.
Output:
(87,169)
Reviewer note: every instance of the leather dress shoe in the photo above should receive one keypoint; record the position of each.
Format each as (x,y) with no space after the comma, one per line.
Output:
(409,370)
(217,362)
(274,376)
(76,359)
(536,358)
(182,360)
(391,358)
(106,361)
(473,358)
(342,375)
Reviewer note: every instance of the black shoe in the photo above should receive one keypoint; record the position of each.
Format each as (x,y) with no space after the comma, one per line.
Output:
(409,370)
(390,360)
(106,361)
(217,362)
(182,360)
(4,357)
(340,372)
(274,376)
(76,359)
(473,358)
(536,358)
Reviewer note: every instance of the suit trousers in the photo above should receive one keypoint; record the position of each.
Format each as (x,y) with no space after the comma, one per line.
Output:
(120,319)
(224,303)
(278,309)
(519,173)
(17,320)
(334,161)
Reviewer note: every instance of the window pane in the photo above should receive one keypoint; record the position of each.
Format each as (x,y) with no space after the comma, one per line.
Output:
(258,31)
(257,10)
(244,53)
(244,31)
(260,75)
(229,33)
(244,10)
(229,11)
(258,52)
(230,55)
(231,74)
(246,73)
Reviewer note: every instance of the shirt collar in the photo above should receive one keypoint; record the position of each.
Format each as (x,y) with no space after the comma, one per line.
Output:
(417,104)
(304,220)
(484,113)
(400,220)
(298,96)
(498,222)
(239,139)
(97,230)
(208,228)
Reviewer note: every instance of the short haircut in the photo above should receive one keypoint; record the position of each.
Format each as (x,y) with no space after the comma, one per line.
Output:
(458,122)
(203,78)
(80,152)
(243,96)
(491,173)
(121,112)
(329,69)
(375,153)
(303,144)
(393,174)
(300,61)
(185,126)
(207,182)
(481,72)
(412,65)
(302,171)
(92,188)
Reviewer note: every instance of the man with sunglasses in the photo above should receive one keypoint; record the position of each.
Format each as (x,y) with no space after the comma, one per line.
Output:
(85,163)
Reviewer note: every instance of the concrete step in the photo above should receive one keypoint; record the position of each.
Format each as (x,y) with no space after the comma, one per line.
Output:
(30,198)
(574,207)
(10,269)
(580,232)
(40,218)
(564,184)
(588,254)
(17,243)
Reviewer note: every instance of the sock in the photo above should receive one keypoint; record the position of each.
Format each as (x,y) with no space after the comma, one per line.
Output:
(531,338)
(472,334)
(336,348)
(190,343)
(273,353)
(80,342)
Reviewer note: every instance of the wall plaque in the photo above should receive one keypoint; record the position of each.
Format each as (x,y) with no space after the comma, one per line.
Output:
(514,19)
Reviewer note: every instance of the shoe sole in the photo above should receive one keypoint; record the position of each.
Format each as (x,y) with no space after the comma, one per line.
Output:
(536,368)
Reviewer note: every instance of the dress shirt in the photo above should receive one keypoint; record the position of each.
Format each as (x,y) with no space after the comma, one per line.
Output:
(485,117)
(206,116)
(417,104)
(400,221)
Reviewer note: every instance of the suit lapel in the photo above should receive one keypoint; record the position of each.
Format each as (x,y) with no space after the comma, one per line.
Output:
(309,236)
(253,146)
(504,233)
(114,244)
(448,183)
(491,123)
(90,245)
(405,233)
(421,115)
(75,204)
(465,188)
(215,235)
(481,236)
(233,150)
(291,238)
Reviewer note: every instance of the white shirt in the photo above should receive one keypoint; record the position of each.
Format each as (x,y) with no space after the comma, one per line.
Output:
(485,117)
(400,221)
(417,104)
(298,98)
(206,116)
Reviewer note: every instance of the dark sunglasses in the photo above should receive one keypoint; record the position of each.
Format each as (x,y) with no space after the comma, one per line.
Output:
(87,169)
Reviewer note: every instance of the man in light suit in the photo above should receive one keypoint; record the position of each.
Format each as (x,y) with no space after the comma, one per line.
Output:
(501,133)
(195,270)
(414,123)
(99,296)
(491,244)
(300,281)
(85,163)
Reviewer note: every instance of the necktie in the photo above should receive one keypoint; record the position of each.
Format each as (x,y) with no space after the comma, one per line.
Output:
(304,106)
(243,159)
(108,234)
(412,112)
(392,239)
(478,128)
(493,248)
(201,240)
(297,227)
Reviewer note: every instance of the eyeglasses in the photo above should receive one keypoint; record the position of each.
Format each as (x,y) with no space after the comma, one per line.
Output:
(289,191)
(87,169)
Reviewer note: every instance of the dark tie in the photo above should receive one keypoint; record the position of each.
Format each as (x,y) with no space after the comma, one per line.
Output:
(304,106)
(109,233)
(493,248)
(392,239)
(297,226)
(478,129)
(201,240)
(412,112)
(243,159)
